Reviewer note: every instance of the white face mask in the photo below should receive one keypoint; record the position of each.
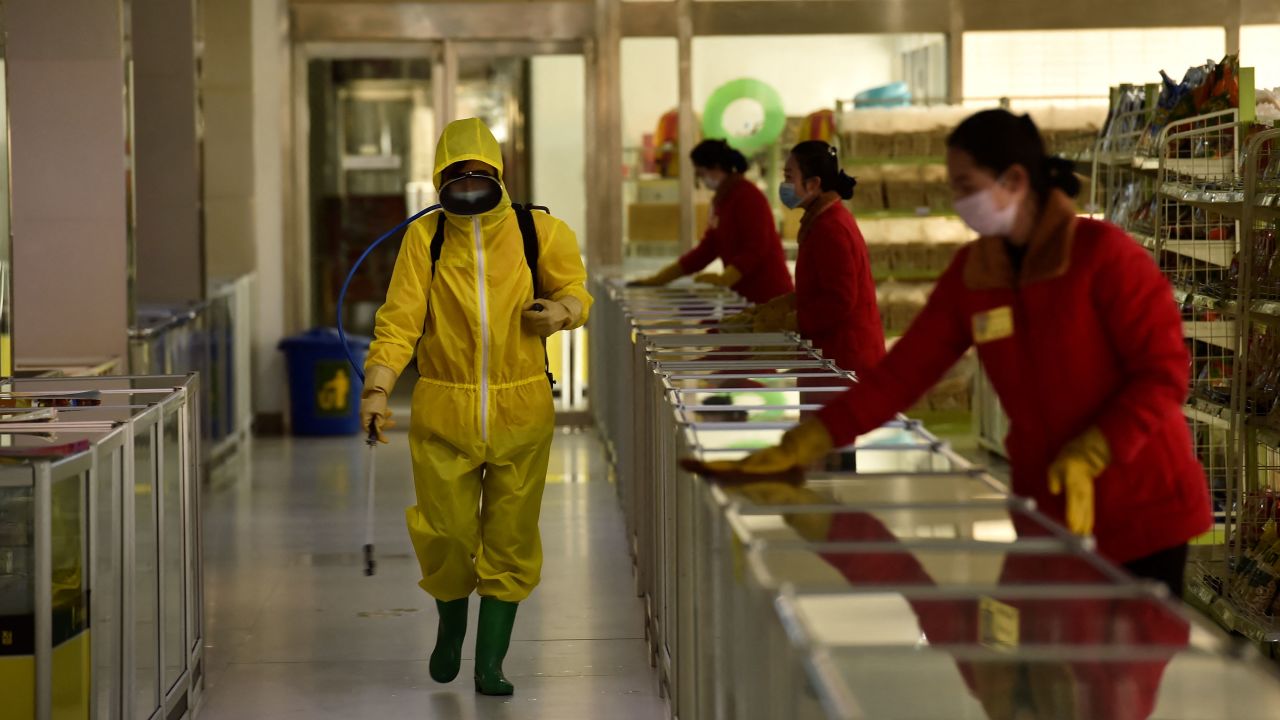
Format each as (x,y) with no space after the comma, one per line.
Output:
(710,183)
(979,211)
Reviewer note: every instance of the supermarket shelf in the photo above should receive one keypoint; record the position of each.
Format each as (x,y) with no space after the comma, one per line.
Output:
(1104,159)
(1267,437)
(1208,412)
(904,160)
(1266,308)
(1197,168)
(902,214)
(1268,206)
(1219,333)
(1214,252)
(907,276)
(1222,610)
(1200,301)
(1221,202)
(1262,309)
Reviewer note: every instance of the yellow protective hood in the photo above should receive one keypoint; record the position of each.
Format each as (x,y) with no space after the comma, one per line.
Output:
(468,139)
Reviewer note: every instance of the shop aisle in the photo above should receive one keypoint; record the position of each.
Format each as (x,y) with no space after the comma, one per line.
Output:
(296,630)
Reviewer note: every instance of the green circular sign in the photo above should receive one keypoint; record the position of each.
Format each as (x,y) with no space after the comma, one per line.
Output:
(775,118)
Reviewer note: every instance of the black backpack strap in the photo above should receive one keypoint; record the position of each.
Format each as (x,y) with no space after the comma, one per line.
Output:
(529,233)
(437,242)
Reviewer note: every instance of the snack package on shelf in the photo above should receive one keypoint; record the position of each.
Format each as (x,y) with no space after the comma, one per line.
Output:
(1121,119)
(1257,590)
(1266,265)
(1257,533)
(1213,381)
(1262,373)
(1204,89)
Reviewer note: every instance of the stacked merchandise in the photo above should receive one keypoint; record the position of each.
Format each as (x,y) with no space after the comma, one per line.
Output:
(1204,90)
(1255,581)
(912,249)
(898,155)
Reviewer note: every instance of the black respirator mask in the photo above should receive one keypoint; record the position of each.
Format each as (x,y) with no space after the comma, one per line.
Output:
(473,193)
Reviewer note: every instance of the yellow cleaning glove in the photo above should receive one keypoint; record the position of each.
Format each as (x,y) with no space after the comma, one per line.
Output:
(776,315)
(813,527)
(801,446)
(728,278)
(1077,466)
(665,276)
(379,380)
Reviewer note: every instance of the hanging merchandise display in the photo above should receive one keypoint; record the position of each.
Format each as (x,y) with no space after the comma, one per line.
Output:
(764,134)
(1186,168)
(1204,90)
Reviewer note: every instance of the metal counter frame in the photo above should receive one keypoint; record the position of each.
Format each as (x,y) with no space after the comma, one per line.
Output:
(143,456)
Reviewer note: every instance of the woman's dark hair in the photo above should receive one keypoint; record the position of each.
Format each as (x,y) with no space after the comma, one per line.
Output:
(718,154)
(818,159)
(998,140)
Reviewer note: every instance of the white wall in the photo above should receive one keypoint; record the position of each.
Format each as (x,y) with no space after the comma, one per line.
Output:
(557,87)
(810,72)
(649,77)
(1081,63)
(1260,48)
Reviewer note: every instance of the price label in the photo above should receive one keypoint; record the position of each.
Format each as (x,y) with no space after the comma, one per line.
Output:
(997,624)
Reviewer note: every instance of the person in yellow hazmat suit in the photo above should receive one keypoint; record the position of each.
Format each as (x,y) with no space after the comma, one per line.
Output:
(482,417)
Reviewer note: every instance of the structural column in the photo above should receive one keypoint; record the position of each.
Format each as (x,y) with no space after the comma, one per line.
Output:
(687,131)
(955,54)
(71,154)
(444,80)
(170,260)
(604,89)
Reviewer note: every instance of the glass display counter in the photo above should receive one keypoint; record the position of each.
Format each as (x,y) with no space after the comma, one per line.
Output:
(101,501)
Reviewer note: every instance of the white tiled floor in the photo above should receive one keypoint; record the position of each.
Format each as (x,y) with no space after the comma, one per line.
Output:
(296,630)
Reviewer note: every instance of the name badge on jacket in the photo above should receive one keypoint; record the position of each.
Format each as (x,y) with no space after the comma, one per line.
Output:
(994,324)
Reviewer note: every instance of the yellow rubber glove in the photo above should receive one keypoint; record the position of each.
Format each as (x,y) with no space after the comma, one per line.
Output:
(776,321)
(772,316)
(801,446)
(665,276)
(745,317)
(379,380)
(728,278)
(555,315)
(1077,466)
(813,527)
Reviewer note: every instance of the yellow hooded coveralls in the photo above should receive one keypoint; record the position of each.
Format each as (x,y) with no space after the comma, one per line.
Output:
(482,417)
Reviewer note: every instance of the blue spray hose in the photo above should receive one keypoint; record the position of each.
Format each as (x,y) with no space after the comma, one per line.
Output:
(342,296)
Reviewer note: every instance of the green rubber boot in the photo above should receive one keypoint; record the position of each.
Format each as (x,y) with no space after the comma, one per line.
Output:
(446,659)
(493,637)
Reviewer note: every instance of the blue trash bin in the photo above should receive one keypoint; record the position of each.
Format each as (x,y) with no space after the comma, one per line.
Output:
(324,391)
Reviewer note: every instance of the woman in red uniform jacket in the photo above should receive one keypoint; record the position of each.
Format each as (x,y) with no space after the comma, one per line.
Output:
(1082,340)
(741,232)
(834,305)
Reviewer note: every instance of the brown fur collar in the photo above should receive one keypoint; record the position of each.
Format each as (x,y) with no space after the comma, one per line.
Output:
(1048,254)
